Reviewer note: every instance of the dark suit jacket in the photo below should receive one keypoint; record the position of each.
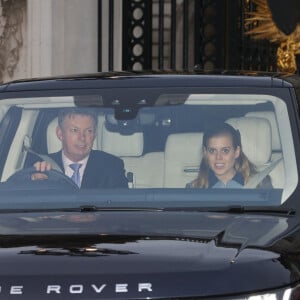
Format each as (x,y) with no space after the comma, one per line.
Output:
(103,170)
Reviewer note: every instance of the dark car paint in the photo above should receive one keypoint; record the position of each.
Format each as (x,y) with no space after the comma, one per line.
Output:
(143,79)
(181,254)
(198,254)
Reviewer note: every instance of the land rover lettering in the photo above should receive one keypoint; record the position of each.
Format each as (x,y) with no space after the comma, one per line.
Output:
(16,290)
(145,287)
(12,290)
(79,288)
(121,288)
(53,289)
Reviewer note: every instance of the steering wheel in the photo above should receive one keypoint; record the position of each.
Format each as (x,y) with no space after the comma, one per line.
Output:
(32,179)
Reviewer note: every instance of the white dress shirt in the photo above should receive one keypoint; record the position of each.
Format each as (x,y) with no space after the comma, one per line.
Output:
(68,171)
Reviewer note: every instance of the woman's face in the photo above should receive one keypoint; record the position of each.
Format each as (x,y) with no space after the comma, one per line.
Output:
(221,156)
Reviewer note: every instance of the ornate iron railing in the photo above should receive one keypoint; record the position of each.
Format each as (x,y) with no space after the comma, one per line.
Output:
(181,34)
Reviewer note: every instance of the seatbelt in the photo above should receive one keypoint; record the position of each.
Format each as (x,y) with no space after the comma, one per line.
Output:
(26,147)
(130,180)
(258,177)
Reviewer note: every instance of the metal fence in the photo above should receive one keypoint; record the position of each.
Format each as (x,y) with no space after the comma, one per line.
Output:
(179,35)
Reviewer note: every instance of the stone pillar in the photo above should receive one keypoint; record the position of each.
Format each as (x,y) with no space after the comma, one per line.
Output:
(62,37)
(39,38)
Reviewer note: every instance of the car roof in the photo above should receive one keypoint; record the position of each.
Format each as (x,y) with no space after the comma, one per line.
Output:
(153,79)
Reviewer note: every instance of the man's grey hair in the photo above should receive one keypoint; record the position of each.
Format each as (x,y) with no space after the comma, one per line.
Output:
(76,111)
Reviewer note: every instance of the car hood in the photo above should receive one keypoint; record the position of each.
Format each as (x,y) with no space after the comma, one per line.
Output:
(108,255)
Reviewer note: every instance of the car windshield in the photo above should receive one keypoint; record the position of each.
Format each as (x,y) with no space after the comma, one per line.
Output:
(141,148)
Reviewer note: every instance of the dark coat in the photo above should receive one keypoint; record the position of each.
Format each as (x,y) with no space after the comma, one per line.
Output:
(103,170)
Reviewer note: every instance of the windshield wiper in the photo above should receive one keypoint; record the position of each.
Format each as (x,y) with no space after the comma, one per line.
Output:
(231,209)
(91,208)
(82,208)
(261,210)
(235,209)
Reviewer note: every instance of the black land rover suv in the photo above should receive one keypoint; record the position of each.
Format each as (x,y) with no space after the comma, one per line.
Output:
(187,187)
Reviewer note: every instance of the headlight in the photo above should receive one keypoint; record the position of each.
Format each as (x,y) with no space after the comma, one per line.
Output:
(273,296)
(283,294)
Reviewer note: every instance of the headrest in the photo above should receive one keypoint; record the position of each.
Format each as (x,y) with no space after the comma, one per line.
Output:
(185,147)
(255,137)
(270,116)
(122,145)
(183,154)
(53,143)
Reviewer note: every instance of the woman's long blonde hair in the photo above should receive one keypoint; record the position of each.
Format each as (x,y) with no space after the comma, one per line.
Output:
(242,164)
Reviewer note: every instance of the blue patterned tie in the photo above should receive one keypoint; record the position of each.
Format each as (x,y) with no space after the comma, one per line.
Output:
(76,176)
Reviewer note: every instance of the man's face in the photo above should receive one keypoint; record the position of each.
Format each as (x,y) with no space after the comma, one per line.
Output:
(77,136)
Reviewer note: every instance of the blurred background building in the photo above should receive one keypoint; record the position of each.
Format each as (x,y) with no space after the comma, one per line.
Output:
(57,37)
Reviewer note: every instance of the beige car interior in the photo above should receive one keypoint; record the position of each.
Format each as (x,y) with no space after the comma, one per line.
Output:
(178,164)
